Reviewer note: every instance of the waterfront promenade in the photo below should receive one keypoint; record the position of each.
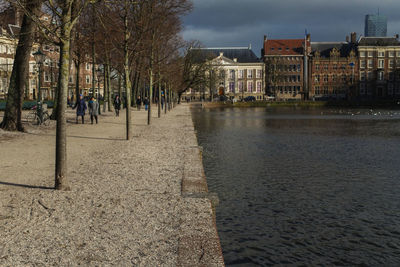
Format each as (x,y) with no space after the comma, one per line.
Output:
(133,203)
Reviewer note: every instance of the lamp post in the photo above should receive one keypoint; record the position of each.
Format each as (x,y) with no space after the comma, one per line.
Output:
(99,75)
(39,58)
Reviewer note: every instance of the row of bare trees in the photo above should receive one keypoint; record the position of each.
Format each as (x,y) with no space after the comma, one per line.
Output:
(135,41)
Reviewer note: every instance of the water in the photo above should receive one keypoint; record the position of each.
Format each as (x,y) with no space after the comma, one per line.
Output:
(304,187)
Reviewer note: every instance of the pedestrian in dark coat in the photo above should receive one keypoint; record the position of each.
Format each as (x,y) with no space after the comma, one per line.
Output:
(146,103)
(81,107)
(117,105)
(93,109)
(138,103)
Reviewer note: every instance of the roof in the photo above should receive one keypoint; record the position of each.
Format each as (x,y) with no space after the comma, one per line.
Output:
(242,54)
(378,41)
(325,48)
(284,47)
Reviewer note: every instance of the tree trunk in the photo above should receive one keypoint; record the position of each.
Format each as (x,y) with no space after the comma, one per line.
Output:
(159,94)
(61,182)
(109,93)
(12,120)
(77,75)
(127,74)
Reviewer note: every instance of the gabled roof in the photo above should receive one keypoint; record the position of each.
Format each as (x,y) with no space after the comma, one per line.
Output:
(325,48)
(378,41)
(284,47)
(242,54)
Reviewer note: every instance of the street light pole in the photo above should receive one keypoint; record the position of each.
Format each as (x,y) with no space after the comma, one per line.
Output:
(39,58)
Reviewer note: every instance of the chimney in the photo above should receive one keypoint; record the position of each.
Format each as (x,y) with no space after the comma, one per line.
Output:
(221,54)
(308,38)
(347,39)
(353,37)
(396,35)
(265,38)
(249,46)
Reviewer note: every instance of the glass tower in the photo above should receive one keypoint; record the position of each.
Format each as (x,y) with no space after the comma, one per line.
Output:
(375,26)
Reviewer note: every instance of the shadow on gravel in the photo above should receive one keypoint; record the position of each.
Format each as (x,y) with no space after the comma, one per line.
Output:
(96,138)
(27,186)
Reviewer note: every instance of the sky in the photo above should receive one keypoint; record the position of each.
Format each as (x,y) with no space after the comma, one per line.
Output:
(220,23)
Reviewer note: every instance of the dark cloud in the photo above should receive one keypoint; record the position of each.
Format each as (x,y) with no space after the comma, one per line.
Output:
(241,22)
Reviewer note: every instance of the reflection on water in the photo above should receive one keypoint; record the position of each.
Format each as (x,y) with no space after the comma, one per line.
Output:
(300,186)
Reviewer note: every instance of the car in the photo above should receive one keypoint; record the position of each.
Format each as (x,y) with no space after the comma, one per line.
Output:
(249,98)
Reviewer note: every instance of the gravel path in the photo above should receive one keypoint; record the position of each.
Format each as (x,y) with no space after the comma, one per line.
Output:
(126,206)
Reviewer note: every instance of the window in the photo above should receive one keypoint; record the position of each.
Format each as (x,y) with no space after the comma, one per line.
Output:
(326,67)
(362,76)
(259,73)
(317,66)
(326,78)
(87,66)
(317,90)
(370,54)
(390,89)
(381,63)
(46,76)
(250,74)
(391,63)
(232,87)
(317,78)
(71,80)
(391,53)
(380,75)
(240,86)
(335,66)
(87,78)
(298,68)
(325,88)
(259,85)
(381,54)
(370,75)
(250,86)
(343,66)
(241,74)
(362,64)
(231,74)
(344,78)
(334,77)
(398,54)
(362,53)
(362,88)
(370,63)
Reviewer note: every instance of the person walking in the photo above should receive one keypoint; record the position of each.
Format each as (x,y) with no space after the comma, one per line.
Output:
(117,105)
(138,103)
(146,103)
(80,107)
(93,109)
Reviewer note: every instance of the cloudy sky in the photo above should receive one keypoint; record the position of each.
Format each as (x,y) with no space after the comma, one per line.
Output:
(242,22)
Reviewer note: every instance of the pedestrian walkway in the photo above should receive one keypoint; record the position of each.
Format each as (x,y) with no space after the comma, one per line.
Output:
(126,206)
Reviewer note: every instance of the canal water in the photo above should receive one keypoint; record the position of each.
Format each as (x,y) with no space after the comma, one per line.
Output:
(304,186)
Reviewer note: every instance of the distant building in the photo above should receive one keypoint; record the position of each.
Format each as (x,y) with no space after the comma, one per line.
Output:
(286,67)
(375,26)
(235,72)
(379,63)
(333,69)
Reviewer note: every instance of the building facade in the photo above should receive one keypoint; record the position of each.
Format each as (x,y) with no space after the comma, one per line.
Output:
(286,67)
(235,72)
(379,67)
(375,26)
(333,70)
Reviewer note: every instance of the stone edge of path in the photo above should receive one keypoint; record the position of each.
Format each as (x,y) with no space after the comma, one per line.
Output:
(199,244)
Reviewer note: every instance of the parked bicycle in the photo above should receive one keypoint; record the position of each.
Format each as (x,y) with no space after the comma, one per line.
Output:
(33,116)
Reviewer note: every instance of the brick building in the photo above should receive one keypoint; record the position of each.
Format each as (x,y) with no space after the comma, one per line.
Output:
(286,67)
(10,20)
(333,70)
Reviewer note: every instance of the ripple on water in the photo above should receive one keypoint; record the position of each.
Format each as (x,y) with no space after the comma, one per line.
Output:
(304,187)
